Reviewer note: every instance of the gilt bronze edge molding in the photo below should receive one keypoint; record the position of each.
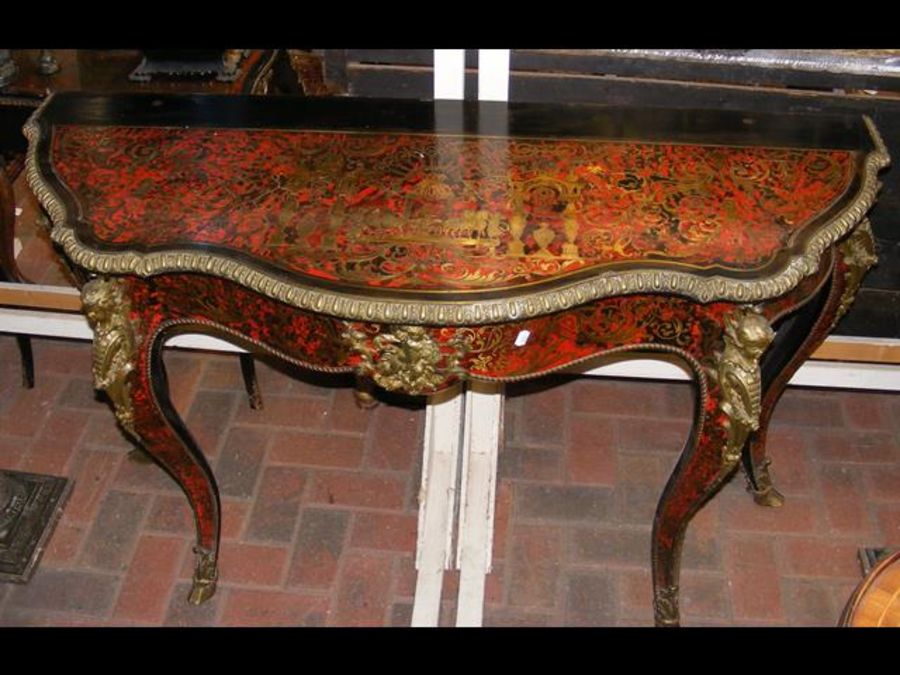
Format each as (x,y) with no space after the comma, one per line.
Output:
(350,306)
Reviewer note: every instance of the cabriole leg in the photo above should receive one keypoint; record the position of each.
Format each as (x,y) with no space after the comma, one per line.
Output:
(728,411)
(127,365)
(802,335)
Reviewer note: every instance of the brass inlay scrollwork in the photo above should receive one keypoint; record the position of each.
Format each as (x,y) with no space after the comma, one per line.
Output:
(405,358)
(107,309)
(665,606)
(524,304)
(736,369)
(858,252)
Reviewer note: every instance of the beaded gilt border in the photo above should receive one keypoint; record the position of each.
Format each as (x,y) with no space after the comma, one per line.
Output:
(467,312)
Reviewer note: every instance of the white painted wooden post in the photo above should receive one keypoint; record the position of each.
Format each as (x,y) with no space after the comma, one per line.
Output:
(493,74)
(437,502)
(482,435)
(449,73)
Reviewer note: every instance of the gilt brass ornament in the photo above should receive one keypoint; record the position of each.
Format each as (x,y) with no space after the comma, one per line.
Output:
(108,312)
(405,358)
(747,335)
(858,252)
(665,606)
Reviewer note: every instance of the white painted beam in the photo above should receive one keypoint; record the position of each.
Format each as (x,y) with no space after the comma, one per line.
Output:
(449,73)
(437,502)
(493,74)
(482,435)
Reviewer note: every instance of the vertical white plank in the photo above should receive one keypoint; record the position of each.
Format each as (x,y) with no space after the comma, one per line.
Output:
(449,73)
(482,435)
(493,74)
(437,502)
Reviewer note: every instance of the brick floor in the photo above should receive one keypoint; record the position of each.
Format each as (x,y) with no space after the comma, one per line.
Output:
(319,501)
(319,509)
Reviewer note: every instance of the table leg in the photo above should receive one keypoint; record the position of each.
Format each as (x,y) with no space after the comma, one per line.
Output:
(803,334)
(727,412)
(251,384)
(128,366)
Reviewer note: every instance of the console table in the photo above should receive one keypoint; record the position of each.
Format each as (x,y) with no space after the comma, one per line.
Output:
(422,244)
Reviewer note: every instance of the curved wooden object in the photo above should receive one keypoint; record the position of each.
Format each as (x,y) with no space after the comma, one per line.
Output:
(876,601)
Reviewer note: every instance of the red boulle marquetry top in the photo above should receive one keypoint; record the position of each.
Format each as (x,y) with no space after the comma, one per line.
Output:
(363,205)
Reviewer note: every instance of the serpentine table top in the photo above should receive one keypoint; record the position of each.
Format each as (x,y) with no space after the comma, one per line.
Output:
(417,243)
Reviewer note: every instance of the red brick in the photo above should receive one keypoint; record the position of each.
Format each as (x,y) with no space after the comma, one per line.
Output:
(114,531)
(26,415)
(844,499)
(740,512)
(145,592)
(531,463)
(516,618)
(543,415)
(90,594)
(808,603)
(663,436)
(752,572)
(406,574)
(252,564)
(590,600)
(563,502)
(608,396)
(208,418)
(240,460)
(277,505)
(866,411)
(345,415)
(635,590)
(386,532)
(140,476)
(91,479)
(401,615)
(363,590)
(791,469)
(183,369)
(13,451)
(305,412)
(503,504)
(889,521)
(53,447)
(820,558)
(534,586)
(221,372)
(807,408)
(703,595)
(103,433)
(270,608)
(316,449)
(884,483)
(281,378)
(171,514)
(537,545)
(592,456)
(320,542)
(843,445)
(701,541)
(396,438)
(352,489)
(63,357)
(234,515)
(65,543)
(79,394)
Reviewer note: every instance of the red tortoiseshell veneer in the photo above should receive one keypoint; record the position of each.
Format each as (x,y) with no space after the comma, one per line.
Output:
(376,237)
